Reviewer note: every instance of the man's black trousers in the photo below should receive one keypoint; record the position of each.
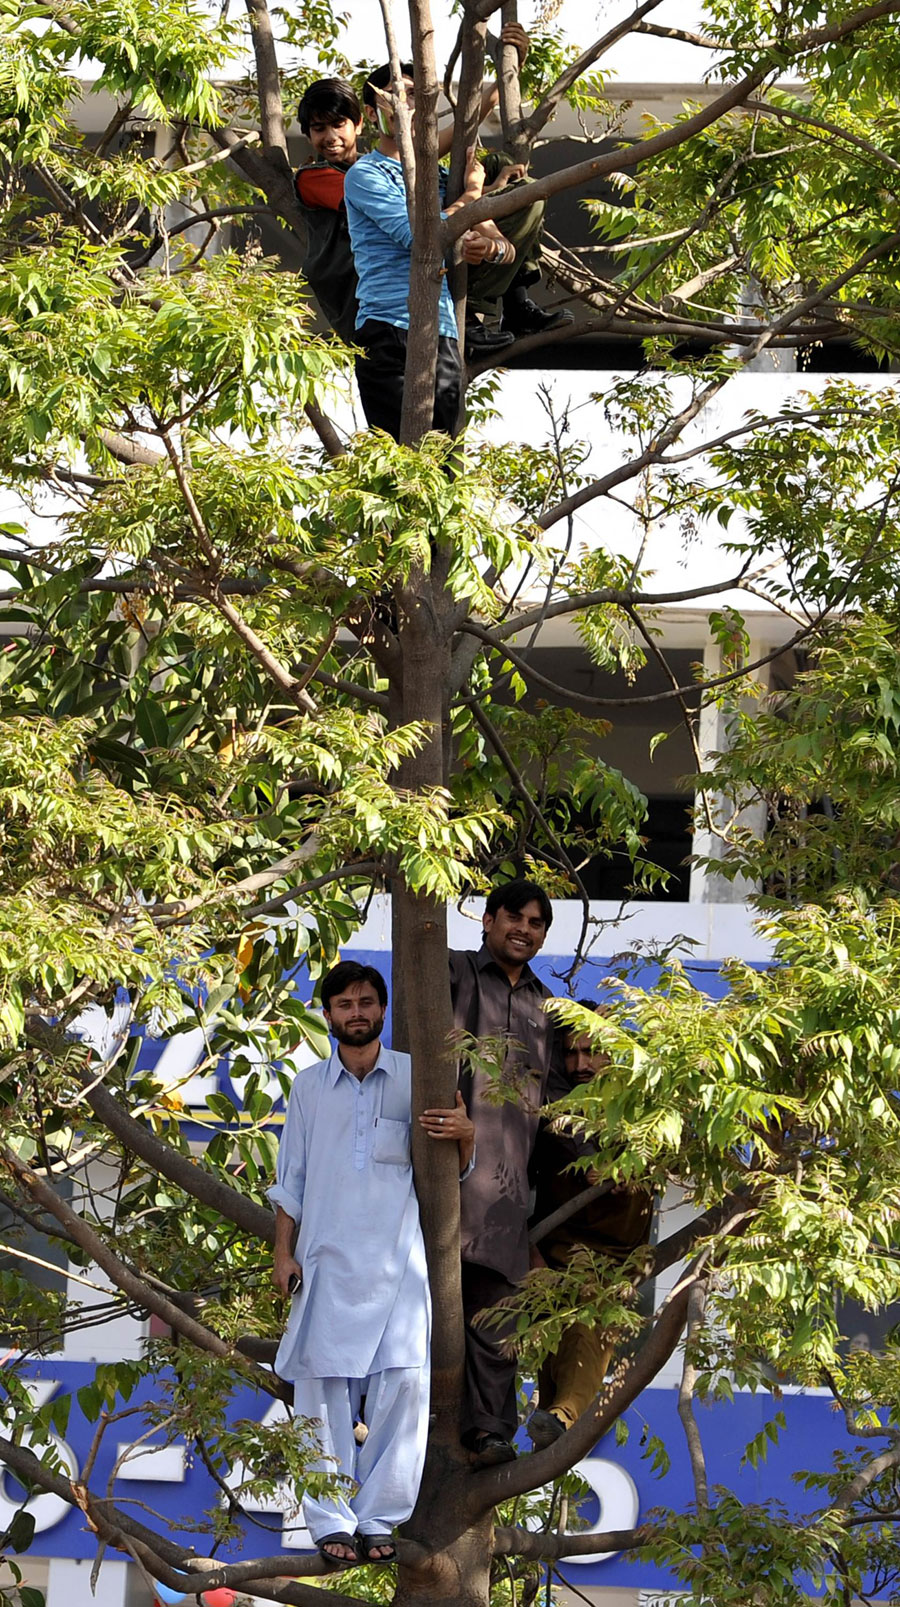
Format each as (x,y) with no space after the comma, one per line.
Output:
(379,375)
(489,1406)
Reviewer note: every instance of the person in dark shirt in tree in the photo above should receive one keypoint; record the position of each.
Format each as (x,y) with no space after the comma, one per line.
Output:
(611,1226)
(332,120)
(331,117)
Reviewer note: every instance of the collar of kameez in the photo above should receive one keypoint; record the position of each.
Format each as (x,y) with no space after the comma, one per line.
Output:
(385,1062)
(484,958)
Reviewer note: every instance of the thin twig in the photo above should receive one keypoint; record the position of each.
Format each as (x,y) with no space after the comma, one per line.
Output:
(696,1314)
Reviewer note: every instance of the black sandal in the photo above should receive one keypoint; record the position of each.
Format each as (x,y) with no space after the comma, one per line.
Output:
(338,1564)
(368,1543)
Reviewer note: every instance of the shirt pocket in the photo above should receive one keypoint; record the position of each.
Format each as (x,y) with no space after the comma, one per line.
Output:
(391,1142)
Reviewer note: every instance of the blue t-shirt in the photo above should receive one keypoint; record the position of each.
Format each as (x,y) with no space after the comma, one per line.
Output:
(375,197)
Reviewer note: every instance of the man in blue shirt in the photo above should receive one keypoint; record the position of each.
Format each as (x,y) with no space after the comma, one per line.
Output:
(381,237)
(360,1315)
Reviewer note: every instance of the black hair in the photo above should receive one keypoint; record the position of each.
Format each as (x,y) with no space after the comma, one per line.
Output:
(329,100)
(570,1034)
(382,78)
(513,896)
(345,974)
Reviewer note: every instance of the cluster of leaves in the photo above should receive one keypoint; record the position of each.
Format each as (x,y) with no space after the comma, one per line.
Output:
(789,193)
(770,1098)
(161,57)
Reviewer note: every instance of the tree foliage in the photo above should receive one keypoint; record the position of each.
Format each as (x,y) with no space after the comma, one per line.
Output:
(254,669)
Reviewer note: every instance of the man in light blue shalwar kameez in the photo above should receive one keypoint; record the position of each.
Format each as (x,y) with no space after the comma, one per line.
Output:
(359,1324)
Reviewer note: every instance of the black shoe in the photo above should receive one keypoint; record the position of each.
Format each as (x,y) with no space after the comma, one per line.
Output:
(489,1450)
(543,1428)
(524,317)
(334,1564)
(483,340)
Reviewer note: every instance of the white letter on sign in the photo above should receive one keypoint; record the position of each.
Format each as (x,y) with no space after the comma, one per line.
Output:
(47,1510)
(619,1502)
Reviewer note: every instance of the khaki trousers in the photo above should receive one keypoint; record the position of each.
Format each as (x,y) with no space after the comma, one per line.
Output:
(569,1380)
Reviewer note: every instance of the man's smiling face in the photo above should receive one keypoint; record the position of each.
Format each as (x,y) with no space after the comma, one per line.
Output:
(514,939)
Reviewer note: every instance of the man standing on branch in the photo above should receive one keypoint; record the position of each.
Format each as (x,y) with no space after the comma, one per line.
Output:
(360,1313)
(497,996)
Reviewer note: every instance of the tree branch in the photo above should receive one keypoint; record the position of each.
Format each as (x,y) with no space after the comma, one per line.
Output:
(549,1224)
(183,1170)
(211,216)
(515,139)
(513,200)
(270,104)
(177,908)
(167,1561)
(793,115)
(364,868)
(545,108)
(656,653)
(653,453)
(537,815)
(273,178)
(696,1312)
(609,594)
(631,1376)
(281,677)
(129,452)
(325,430)
(733,1213)
(549,1546)
(682,35)
(867,1476)
(127,1281)
(586,701)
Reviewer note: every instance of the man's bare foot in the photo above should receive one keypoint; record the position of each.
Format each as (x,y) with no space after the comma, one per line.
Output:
(377,1548)
(339,1550)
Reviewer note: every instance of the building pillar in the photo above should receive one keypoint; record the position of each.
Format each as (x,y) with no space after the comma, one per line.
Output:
(706,886)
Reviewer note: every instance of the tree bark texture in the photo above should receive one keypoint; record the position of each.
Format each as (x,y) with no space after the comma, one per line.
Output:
(427,258)
(516,142)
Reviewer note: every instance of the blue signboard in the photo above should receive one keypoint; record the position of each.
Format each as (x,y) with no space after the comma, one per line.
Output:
(173,1484)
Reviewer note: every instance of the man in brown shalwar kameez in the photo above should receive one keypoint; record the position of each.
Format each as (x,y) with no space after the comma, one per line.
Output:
(611,1226)
(497,995)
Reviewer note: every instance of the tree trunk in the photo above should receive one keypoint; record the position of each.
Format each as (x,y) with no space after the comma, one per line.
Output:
(427,256)
(459,1569)
(456,1550)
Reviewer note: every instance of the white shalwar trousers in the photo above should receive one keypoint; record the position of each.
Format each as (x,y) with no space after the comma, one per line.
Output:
(387,1466)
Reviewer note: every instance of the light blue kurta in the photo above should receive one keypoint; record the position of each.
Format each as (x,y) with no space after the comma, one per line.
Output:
(344,1172)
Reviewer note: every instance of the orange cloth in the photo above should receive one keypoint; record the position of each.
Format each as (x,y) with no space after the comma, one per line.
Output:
(321,186)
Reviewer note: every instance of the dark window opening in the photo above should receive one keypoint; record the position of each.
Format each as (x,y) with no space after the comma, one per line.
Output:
(867,1330)
(668,836)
